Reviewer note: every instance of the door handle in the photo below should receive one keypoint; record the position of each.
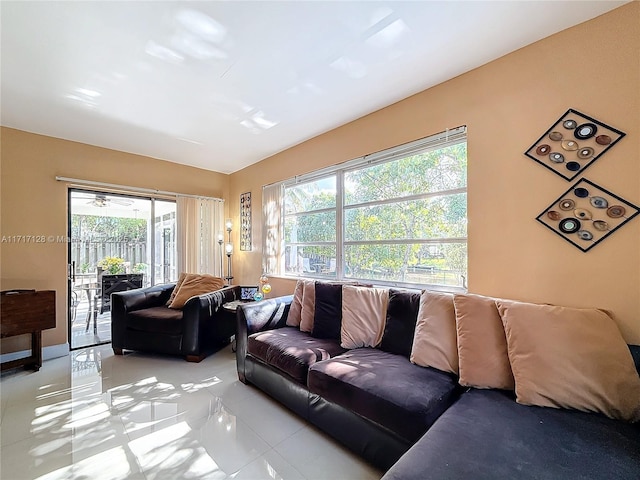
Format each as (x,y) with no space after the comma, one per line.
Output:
(71,273)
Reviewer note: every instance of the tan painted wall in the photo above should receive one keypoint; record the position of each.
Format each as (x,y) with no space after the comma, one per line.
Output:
(506,104)
(34,203)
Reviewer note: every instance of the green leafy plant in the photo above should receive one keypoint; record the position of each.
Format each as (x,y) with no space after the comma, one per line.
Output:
(112,265)
(140,268)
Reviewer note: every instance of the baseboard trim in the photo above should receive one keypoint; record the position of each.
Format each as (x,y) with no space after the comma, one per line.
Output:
(48,353)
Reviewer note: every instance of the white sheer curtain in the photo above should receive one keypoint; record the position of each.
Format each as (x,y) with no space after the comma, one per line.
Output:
(272,241)
(199,220)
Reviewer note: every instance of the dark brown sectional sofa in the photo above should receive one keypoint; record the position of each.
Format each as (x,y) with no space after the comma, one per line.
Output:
(418,422)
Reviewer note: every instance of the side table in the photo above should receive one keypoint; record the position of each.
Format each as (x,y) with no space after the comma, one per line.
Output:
(231,308)
(27,312)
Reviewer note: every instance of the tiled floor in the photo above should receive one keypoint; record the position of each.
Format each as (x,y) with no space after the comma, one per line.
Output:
(94,415)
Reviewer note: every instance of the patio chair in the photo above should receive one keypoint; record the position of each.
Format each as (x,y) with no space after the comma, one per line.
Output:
(112,283)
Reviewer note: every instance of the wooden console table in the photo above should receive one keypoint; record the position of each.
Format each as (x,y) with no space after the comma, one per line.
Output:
(27,311)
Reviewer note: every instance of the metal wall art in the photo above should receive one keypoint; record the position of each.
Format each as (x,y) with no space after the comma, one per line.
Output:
(586,214)
(245,221)
(573,143)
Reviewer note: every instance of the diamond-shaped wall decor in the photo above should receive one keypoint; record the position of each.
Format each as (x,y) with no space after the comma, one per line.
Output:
(586,214)
(573,143)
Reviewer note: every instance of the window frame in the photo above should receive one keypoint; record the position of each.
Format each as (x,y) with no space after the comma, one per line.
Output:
(433,142)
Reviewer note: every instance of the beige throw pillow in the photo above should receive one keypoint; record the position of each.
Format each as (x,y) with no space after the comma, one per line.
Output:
(435,340)
(295,311)
(193,285)
(570,358)
(364,311)
(482,343)
(181,278)
(308,306)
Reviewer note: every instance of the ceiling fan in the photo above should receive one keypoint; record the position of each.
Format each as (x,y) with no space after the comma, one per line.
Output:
(101,200)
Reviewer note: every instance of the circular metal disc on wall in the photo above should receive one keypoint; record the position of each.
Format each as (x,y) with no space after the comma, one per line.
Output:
(556,157)
(585,235)
(584,131)
(553,215)
(585,152)
(569,225)
(543,149)
(581,192)
(600,225)
(573,166)
(569,124)
(567,204)
(555,136)
(569,145)
(616,211)
(599,202)
(603,139)
(582,213)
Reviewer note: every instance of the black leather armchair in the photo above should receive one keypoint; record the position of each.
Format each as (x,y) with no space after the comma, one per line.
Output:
(140,320)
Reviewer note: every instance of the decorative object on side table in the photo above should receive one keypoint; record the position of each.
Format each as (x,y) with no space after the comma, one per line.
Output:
(245,221)
(573,143)
(586,214)
(247,293)
(265,288)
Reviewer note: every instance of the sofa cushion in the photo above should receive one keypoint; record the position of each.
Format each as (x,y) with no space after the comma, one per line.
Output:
(327,320)
(181,278)
(570,358)
(363,314)
(295,311)
(400,325)
(291,351)
(482,343)
(308,307)
(486,435)
(156,320)
(385,388)
(435,343)
(194,284)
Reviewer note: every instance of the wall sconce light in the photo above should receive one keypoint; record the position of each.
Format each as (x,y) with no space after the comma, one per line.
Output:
(229,251)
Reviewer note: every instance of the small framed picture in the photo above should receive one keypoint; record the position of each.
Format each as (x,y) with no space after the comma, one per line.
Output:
(247,293)
(245,222)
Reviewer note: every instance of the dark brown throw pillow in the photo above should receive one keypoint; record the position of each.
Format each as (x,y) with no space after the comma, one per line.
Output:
(327,320)
(402,315)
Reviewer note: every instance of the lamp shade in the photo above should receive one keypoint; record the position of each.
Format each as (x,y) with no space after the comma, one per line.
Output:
(228,248)
(228,224)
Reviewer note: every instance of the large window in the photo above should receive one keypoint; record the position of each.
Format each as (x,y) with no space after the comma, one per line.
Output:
(398,217)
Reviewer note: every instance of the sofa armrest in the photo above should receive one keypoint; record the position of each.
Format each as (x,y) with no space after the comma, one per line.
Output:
(198,313)
(257,317)
(140,298)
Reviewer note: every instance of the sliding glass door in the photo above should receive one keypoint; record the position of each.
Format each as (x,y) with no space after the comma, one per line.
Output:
(118,242)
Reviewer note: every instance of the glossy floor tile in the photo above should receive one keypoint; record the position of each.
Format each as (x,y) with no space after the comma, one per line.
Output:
(93,415)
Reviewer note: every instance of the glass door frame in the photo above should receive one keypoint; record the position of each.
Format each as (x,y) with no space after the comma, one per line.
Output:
(71,267)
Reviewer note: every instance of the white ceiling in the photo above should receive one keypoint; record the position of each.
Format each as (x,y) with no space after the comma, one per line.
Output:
(222,85)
